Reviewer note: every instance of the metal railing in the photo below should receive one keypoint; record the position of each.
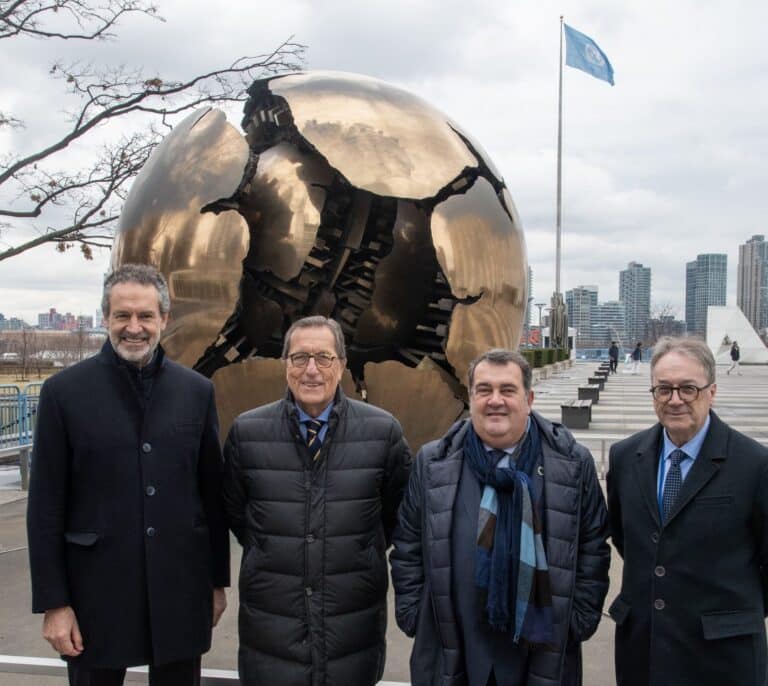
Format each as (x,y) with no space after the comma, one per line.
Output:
(18,417)
(18,414)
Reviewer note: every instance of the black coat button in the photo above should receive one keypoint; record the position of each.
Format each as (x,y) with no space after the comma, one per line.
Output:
(308,590)
(659,604)
(146,448)
(655,536)
(310,538)
(659,571)
(150,531)
(150,490)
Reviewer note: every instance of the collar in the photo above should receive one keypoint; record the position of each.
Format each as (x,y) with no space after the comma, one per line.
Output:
(692,448)
(511,448)
(109,355)
(323,416)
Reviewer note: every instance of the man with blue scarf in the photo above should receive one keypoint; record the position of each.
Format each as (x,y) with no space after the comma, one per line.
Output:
(500,561)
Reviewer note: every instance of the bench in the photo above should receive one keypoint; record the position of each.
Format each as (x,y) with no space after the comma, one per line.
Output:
(598,380)
(590,392)
(576,414)
(602,372)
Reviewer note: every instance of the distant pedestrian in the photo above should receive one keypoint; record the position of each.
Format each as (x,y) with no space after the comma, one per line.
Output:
(613,357)
(735,357)
(637,355)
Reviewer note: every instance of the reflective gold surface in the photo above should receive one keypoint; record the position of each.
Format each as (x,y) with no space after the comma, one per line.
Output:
(402,283)
(421,398)
(200,254)
(282,206)
(482,253)
(314,212)
(381,138)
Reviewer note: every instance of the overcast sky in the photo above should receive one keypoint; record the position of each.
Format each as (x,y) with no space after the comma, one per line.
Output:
(667,164)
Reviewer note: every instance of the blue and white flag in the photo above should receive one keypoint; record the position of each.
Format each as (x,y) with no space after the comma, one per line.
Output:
(582,53)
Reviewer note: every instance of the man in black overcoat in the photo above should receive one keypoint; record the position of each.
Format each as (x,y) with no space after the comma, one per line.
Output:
(128,543)
(688,508)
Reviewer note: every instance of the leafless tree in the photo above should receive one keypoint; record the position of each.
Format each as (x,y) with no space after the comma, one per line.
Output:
(37,184)
(661,323)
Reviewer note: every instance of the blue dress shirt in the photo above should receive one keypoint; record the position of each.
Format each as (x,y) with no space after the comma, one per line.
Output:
(691,449)
(322,417)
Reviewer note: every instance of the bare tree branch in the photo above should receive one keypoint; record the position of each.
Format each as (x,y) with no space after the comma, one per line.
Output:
(33,184)
(35,17)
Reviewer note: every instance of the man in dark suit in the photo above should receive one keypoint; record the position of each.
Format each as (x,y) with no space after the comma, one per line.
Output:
(688,507)
(128,543)
(500,560)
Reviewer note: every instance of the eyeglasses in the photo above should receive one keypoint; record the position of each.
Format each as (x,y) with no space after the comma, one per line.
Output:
(687,392)
(322,360)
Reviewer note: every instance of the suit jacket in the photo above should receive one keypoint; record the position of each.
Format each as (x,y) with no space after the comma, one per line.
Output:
(125,515)
(692,602)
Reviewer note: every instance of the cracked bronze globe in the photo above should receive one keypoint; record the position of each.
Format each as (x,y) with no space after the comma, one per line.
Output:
(346,197)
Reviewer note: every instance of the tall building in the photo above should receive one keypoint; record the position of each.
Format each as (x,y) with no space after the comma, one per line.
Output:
(635,293)
(580,302)
(752,282)
(609,322)
(705,285)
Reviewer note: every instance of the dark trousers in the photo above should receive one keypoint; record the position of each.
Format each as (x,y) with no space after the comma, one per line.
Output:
(182,673)
(614,364)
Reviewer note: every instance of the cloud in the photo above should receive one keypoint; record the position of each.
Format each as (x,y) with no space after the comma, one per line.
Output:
(667,164)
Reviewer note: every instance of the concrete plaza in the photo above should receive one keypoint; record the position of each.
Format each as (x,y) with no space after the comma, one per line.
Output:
(624,407)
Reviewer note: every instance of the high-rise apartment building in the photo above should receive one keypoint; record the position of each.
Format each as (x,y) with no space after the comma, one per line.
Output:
(609,323)
(580,302)
(752,281)
(635,293)
(705,285)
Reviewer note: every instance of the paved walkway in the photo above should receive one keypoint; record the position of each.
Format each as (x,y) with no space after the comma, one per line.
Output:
(624,407)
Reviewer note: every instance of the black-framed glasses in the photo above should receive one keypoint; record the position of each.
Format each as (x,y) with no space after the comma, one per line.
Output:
(322,360)
(687,392)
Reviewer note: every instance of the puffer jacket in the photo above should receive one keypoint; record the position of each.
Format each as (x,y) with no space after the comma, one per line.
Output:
(313,579)
(578,557)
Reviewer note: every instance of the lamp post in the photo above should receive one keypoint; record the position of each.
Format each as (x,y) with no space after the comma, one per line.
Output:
(541,332)
(527,327)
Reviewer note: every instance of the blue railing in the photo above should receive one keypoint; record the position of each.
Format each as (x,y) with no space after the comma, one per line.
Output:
(18,414)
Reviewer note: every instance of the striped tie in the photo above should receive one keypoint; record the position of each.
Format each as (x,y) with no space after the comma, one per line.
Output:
(673,483)
(313,437)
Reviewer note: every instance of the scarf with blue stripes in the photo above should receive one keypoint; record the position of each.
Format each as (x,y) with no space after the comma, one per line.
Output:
(511,563)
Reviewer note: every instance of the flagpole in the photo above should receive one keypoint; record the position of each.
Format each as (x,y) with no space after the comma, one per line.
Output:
(559,164)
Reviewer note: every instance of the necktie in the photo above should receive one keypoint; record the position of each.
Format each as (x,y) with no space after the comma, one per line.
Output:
(673,483)
(313,437)
(497,456)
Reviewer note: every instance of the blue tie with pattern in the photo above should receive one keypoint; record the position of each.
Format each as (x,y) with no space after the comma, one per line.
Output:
(313,437)
(673,483)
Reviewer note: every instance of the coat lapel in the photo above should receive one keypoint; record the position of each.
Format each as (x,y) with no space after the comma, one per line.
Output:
(469,492)
(705,466)
(646,470)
